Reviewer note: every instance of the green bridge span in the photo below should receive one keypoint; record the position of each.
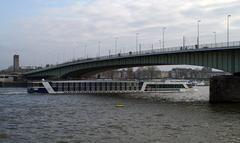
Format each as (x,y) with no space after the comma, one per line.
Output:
(223,56)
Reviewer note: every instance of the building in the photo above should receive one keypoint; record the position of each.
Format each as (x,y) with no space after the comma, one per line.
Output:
(16,65)
(188,73)
(6,78)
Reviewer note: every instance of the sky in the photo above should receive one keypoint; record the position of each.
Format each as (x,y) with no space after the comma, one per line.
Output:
(54,31)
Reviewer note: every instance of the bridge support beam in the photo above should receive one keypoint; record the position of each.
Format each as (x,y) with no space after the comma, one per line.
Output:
(225,89)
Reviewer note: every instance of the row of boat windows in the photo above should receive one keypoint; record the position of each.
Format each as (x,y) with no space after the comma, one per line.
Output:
(161,87)
(95,86)
(37,84)
(165,86)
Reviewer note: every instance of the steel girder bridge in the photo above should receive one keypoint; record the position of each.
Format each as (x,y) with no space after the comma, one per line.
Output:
(223,56)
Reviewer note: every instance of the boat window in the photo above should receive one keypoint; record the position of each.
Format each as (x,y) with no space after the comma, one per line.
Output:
(100,86)
(59,87)
(129,86)
(37,84)
(70,86)
(62,85)
(115,86)
(52,84)
(87,86)
(95,84)
(90,86)
(106,86)
(120,85)
(84,87)
(125,86)
(80,86)
(111,86)
(76,87)
(65,85)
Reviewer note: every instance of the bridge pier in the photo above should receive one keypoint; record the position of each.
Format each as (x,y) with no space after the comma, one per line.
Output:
(225,89)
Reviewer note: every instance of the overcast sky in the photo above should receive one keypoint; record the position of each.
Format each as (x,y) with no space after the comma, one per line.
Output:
(53,31)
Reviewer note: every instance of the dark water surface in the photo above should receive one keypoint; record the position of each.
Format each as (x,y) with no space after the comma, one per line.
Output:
(186,117)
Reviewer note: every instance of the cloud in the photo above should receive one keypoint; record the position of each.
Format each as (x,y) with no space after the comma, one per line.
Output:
(87,22)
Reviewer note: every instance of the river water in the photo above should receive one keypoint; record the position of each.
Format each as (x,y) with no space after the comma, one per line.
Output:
(174,118)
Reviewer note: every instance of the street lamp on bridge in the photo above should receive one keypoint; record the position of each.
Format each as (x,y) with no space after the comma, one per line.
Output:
(99,48)
(116,44)
(163,30)
(198,39)
(160,44)
(137,42)
(184,43)
(215,38)
(228,30)
(85,51)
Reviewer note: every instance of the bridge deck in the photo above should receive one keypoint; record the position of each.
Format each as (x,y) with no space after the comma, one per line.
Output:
(156,52)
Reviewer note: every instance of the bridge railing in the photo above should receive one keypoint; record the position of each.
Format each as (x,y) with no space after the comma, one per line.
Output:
(158,51)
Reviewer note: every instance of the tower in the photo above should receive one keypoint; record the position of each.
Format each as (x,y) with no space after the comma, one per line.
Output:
(15,63)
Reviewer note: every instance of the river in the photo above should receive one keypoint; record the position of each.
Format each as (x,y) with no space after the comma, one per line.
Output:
(170,118)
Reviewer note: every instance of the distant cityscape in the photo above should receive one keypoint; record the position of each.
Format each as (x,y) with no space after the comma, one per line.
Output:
(153,72)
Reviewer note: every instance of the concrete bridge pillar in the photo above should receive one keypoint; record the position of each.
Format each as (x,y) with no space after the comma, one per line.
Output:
(225,89)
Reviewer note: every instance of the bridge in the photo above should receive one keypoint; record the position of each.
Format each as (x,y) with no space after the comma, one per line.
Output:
(223,56)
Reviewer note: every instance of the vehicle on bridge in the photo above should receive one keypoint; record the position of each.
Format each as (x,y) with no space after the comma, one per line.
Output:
(107,86)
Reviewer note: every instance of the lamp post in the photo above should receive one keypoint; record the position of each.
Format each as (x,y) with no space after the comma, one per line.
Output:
(137,42)
(116,44)
(228,30)
(163,31)
(99,48)
(85,51)
(198,39)
(215,38)
(184,42)
(140,48)
(109,53)
(160,44)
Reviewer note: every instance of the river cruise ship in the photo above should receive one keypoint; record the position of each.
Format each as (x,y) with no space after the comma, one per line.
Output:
(106,86)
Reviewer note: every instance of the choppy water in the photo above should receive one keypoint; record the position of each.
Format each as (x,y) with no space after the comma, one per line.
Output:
(184,118)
